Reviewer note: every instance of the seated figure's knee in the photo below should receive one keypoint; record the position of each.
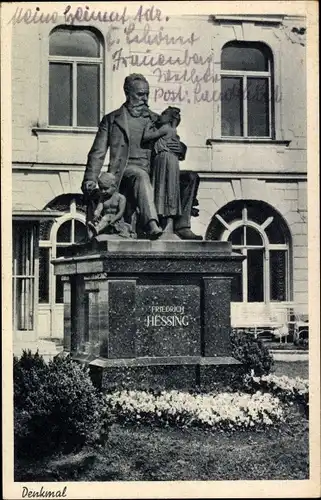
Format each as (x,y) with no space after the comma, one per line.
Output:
(141,175)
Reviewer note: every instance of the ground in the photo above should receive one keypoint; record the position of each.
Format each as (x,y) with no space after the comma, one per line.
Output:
(152,454)
(143,453)
(293,369)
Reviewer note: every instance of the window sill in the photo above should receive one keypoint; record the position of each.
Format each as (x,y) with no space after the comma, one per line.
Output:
(36,215)
(64,130)
(242,140)
(277,19)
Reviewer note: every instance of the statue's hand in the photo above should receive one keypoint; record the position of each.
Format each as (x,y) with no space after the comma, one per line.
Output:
(88,187)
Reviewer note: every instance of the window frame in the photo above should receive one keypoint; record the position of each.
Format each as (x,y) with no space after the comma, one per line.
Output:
(31,278)
(244,75)
(267,248)
(51,244)
(74,61)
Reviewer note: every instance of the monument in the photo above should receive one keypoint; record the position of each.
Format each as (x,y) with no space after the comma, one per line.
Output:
(146,301)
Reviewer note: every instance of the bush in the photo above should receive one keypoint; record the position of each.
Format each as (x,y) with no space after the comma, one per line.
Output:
(252,353)
(56,406)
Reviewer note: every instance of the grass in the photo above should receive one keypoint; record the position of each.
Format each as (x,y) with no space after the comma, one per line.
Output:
(291,369)
(143,453)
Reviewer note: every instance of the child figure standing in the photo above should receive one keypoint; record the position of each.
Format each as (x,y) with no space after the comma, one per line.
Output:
(108,215)
(165,172)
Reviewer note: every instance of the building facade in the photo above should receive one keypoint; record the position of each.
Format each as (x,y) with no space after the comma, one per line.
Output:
(240,82)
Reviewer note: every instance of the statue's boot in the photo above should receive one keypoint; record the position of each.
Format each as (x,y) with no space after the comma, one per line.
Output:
(153,230)
(187,234)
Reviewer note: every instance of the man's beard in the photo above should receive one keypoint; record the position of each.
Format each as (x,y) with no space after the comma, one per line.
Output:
(137,110)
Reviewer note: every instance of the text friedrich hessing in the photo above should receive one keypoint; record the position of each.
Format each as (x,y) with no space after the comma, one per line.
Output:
(167,316)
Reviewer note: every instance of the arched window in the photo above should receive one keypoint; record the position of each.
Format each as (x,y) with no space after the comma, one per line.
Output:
(259,233)
(68,229)
(71,231)
(75,77)
(246,90)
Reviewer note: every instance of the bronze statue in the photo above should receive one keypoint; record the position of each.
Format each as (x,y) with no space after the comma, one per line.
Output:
(121,131)
(108,215)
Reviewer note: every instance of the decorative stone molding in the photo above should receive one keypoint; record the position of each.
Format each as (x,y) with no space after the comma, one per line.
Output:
(296,34)
(39,131)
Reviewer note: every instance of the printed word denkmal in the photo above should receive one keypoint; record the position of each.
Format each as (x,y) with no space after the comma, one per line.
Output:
(43,493)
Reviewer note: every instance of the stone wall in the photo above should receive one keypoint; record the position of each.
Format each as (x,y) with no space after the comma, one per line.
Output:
(200,118)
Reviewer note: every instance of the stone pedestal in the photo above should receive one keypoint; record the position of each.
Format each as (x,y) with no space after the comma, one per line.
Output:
(150,314)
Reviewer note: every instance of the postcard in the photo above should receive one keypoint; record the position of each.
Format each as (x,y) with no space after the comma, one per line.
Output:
(160,250)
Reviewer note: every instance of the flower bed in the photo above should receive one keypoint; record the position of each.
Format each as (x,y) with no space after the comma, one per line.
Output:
(289,390)
(230,411)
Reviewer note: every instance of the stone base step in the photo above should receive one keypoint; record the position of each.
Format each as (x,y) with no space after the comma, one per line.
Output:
(176,372)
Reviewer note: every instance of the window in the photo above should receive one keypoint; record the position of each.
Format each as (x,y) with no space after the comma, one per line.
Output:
(23,273)
(75,77)
(246,90)
(259,233)
(54,238)
(70,232)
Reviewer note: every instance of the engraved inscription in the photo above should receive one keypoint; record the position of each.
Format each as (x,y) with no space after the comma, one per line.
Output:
(168,320)
(167,316)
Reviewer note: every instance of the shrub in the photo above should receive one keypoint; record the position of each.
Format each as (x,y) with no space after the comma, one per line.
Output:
(252,353)
(56,406)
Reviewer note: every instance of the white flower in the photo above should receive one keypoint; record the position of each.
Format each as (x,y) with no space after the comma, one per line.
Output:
(208,409)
